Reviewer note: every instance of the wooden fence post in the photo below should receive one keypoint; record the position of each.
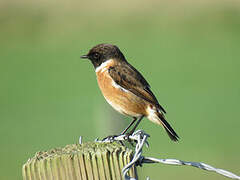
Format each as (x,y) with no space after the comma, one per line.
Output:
(92,160)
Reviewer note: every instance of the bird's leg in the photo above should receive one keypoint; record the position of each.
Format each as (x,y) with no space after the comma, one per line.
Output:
(134,128)
(132,131)
(125,130)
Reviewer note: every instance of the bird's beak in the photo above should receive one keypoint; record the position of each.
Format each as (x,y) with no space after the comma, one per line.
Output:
(84,57)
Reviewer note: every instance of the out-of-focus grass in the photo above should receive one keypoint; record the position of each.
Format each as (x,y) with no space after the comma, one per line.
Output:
(49,97)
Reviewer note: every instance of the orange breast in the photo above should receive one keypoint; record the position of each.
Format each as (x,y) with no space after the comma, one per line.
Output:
(121,100)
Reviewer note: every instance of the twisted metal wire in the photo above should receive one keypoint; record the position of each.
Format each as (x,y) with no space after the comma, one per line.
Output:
(140,137)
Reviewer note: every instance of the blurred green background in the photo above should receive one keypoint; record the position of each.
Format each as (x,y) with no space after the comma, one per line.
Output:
(189,51)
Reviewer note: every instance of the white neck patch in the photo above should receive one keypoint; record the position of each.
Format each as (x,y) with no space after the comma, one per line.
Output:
(104,66)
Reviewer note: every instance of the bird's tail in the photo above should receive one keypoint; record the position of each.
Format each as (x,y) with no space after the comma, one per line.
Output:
(157,117)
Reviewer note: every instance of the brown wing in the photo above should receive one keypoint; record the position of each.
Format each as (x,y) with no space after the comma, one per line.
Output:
(130,79)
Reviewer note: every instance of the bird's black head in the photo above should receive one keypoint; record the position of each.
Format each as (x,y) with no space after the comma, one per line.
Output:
(103,52)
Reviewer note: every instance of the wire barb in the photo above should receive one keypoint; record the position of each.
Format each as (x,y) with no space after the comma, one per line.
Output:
(140,137)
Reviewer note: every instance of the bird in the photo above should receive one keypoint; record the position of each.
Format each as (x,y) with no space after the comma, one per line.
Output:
(125,88)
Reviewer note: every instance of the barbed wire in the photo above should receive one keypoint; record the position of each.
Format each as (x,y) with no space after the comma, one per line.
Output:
(140,137)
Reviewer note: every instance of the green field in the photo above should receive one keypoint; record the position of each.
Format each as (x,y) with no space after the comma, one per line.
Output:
(190,54)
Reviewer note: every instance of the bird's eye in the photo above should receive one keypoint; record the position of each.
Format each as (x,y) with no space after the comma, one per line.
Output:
(96,56)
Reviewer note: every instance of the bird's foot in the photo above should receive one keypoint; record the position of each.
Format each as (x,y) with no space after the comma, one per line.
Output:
(110,138)
(120,138)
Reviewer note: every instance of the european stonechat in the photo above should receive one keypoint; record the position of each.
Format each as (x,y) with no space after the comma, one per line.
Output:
(125,89)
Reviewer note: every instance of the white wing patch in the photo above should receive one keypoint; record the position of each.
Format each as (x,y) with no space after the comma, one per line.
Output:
(118,86)
(103,67)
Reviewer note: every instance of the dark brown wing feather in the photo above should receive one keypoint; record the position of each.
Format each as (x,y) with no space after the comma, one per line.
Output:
(130,79)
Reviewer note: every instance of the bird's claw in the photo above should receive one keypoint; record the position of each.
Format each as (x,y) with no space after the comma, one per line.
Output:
(110,138)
